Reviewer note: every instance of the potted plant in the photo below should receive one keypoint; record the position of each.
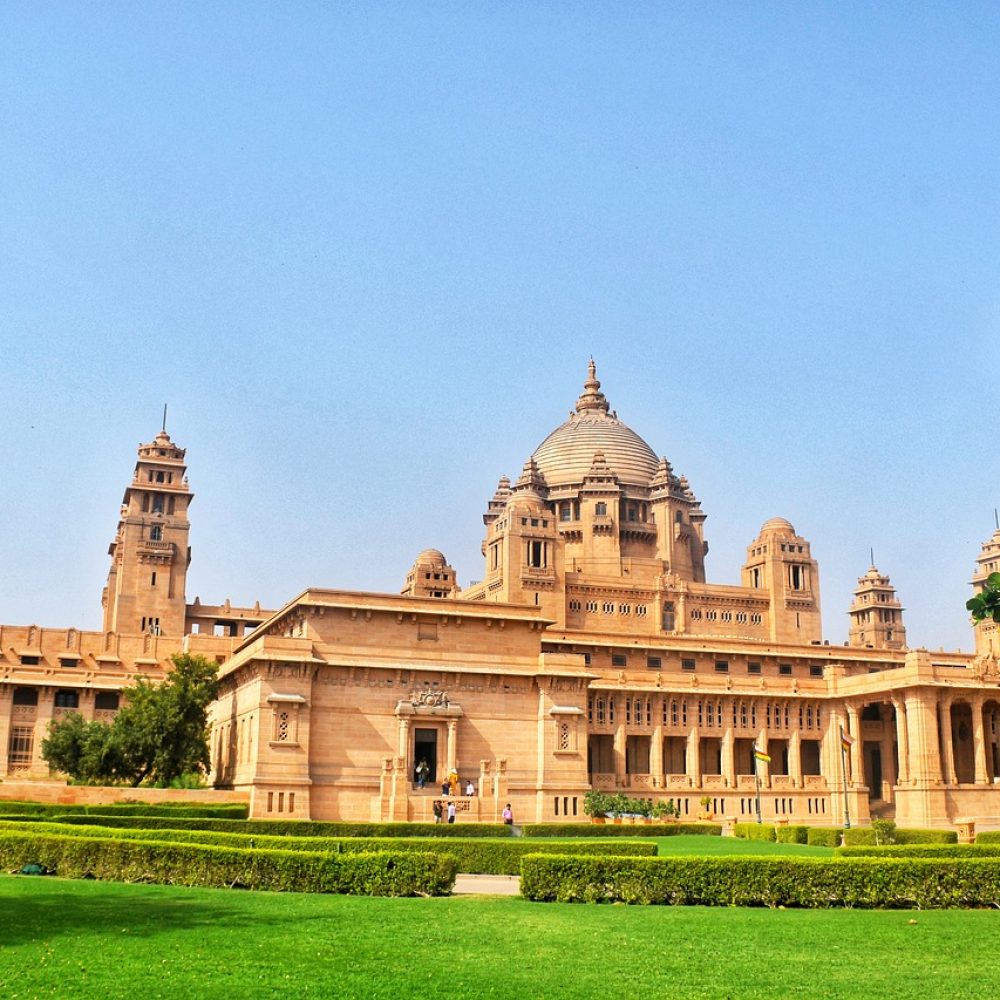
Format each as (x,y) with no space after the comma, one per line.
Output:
(706,806)
(618,806)
(595,805)
(645,808)
(664,810)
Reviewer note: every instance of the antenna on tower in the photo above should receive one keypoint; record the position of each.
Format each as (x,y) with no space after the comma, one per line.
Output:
(164,418)
(996,518)
(871,552)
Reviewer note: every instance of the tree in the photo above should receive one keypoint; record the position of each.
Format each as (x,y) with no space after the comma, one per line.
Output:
(986,604)
(160,734)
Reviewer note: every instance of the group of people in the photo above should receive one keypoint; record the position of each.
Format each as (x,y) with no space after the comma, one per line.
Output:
(439,813)
(450,786)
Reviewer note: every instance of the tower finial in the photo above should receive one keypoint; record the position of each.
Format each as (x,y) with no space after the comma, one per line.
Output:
(164,428)
(592,398)
(871,552)
(996,518)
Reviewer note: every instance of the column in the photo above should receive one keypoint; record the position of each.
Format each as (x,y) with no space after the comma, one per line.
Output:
(656,749)
(693,762)
(857,747)
(902,742)
(403,737)
(947,750)
(452,745)
(979,740)
(922,733)
(762,769)
(795,757)
(619,751)
(889,775)
(728,751)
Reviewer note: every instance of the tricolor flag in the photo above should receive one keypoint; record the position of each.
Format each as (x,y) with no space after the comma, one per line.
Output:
(761,756)
(846,740)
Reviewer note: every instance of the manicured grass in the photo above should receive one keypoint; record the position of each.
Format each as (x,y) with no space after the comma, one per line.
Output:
(92,939)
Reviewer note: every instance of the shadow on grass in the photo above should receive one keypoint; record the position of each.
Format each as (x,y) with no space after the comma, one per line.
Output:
(34,909)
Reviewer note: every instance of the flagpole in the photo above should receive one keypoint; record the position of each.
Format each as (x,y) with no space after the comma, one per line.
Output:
(756,776)
(843,771)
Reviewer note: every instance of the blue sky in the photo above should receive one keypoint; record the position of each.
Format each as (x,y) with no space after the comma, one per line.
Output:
(365,250)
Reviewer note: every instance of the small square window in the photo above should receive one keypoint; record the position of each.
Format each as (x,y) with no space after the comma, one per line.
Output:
(619,660)
(722,666)
(785,669)
(815,671)
(753,668)
(654,662)
(687,664)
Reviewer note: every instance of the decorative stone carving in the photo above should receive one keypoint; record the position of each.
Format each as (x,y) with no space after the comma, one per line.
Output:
(431,698)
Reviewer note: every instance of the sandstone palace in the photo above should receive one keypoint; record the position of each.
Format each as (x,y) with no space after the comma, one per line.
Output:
(593,654)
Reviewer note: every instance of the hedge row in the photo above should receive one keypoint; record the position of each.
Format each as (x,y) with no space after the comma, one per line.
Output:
(988,837)
(475,856)
(800,882)
(864,836)
(206,810)
(922,851)
(396,874)
(278,828)
(619,830)
(819,836)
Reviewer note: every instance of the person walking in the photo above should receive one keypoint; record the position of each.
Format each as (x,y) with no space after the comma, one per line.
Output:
(438,812)
(508,815)
(451,812)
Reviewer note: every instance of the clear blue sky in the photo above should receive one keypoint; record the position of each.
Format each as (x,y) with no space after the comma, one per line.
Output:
(365,250)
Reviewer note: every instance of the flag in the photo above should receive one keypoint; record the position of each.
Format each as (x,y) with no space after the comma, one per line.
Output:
(846,740)
(761,756)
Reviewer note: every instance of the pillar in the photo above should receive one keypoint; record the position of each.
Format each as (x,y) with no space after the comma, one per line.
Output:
(857,747)
(795,757)
(693,762)
(765,773)
(947,748)
(922,731)
(619,753)
(656,750)
(902,742)
(979,740)
(728,757)
(452,745)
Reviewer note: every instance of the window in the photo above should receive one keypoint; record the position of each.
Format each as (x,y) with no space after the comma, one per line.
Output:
(669,621)
(21,747)
(619,660)
(654,662)
(106,701)
(25,696)
(722,666)
(537,554)
(687,664)
(156,533)
(753,668)
(67,699)
(68,661)
(815,671)
(785,669)
(601,509)
(565,512)
(29,661)
(755,619)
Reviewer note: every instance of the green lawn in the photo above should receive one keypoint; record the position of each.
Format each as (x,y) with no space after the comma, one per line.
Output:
(91,939)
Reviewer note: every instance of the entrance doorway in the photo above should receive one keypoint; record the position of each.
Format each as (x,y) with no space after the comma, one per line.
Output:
(425,748)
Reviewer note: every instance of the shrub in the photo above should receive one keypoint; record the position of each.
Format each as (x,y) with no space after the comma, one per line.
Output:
(824,836)
(988,837)
(477,855)
(205,810)
(754,831)
(867,836)
(922,851)
(627,830)
(749,881)
(791,834)
(122,860)
(286,828)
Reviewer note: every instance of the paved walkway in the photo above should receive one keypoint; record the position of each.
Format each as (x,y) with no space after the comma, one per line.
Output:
(487,885)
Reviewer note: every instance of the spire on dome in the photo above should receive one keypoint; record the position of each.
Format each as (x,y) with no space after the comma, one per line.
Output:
(592,398)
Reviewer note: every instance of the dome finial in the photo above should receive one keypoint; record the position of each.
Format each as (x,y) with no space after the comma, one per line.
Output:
(592,398)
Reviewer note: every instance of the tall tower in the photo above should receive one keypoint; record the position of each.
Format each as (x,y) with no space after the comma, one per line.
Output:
(876,614)
(987,633)
(150,553)
(779,561)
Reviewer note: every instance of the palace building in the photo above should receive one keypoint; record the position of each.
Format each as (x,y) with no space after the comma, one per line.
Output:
(592,654)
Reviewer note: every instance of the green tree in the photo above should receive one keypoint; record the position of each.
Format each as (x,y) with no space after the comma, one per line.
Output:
(986,604)
(159,735)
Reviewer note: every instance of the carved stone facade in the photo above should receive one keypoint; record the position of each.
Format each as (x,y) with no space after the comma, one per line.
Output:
(594,653)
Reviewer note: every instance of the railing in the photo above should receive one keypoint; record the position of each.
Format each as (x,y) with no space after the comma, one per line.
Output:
(713,781)
(782,781)
(677,781)
(603,781)
(816,781)
(641,781)
(24,713)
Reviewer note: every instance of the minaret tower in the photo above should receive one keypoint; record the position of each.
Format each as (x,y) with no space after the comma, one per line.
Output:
(987,633)
(876,614)
(150,553)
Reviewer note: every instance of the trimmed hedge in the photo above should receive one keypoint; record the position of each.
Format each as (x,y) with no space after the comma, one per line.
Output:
(824,836)
(864,836)
(227,810)
(620,829)
(384,874)
(922,851)
(476,856)
(800,882)
(754,831)
(279,828)
(988,837)
(791,834)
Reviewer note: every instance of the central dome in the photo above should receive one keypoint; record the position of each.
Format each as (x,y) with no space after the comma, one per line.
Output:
(567,454)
